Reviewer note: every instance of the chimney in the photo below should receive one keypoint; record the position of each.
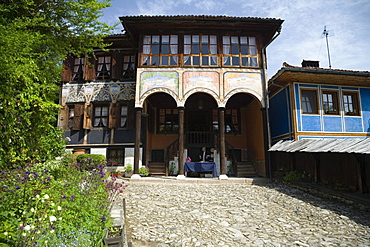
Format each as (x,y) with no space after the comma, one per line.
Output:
(310,63)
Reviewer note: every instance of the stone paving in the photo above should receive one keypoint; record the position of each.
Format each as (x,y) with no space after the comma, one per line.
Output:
(232,214)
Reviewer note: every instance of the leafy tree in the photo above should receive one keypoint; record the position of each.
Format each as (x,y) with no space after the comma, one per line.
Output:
(35,37)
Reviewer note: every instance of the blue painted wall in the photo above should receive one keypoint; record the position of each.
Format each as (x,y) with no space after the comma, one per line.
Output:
(280,113)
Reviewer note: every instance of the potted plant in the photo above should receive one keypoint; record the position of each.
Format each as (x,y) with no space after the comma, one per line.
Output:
(143,171)
(114,236)
(116,173)
(128,170)
(172,169)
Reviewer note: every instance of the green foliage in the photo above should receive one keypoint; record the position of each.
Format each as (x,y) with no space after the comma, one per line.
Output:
(89,161)
(128,167)
(143,171)
(71,209)
(293,176)
(35,37)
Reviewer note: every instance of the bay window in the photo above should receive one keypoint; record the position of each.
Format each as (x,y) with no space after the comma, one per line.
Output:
(200,50)
(239,51)
(160,50)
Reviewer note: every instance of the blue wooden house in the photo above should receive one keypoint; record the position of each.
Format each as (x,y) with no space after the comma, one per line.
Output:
(320,122)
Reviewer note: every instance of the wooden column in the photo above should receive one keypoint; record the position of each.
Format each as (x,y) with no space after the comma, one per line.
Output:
(137,141)
(361,173)
(316,174)
(181,141)
(221,123)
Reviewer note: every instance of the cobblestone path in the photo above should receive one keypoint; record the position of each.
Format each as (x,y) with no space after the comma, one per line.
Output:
(239,215)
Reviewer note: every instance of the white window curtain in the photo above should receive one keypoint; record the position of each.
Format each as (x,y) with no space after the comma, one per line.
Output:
(146,49)
(100,66)
(187,42)
(226,48)
(104,121)
(107,63)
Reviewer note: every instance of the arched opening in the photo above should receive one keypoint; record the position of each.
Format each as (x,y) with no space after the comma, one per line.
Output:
(160,128)
(244,135)
(200,124)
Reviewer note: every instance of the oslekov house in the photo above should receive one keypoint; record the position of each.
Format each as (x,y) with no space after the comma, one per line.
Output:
(169,87)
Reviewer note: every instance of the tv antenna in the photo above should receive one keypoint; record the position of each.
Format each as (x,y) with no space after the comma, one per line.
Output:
(327,34)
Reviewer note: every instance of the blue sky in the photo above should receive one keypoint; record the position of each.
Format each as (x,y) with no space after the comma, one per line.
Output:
(348,22)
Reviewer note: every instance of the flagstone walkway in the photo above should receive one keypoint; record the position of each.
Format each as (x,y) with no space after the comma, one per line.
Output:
(161,213)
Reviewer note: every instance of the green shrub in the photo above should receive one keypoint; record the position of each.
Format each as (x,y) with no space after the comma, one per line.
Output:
(70,209)
(144,171)
(89,161)
(128,168)
(293,176)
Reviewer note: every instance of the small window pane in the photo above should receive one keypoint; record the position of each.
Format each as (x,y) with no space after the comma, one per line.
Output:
(213,39)
(235,61)
(204,60)
(155,49)
(195,39)
(165,39)
(196,60)
(165,49)
(244,50)
(253,50)
(234,40)
(226,40)
(205,49)
(155,61)
(234,49)
(252,41)
(244,61)
(155,40)
(253,62)
(164,60)
(243,40)
(195,49)
(205,39)
(173,39)
(187,39)
(146,39)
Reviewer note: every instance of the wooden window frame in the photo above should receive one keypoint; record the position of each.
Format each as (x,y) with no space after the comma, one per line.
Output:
(330,97)
(75,116)
(103,67)
(78,69)
(159,53)
(128,67)
(239,51)
(116,156)
(315,106)
(100,117)
(354,104)
(205,50)
(168,121)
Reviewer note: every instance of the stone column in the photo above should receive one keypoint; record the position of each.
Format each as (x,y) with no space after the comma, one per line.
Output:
(181,144)
(221,126)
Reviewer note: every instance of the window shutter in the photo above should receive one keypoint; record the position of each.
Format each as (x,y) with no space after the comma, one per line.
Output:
(89,73)
(78,114)
(67,69)
(87,116)
(116,66)
(63,118)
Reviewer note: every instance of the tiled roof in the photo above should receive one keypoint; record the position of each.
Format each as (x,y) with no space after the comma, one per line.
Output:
(344,145)
(200,17)
(286,65)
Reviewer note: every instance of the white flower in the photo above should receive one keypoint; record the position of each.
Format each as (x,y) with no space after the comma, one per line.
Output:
(60,218)
(32,210)
(5,233)
(52,231)
(59,208)
(27,228)
(52,204)
(52,218)
(46,196)
(37,196)
(24,234)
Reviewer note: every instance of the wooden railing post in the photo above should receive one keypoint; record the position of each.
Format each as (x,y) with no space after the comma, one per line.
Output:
(181,141)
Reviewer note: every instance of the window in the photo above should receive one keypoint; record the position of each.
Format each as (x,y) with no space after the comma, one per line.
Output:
(100,116)
(232,121)
(103,68)
(123,116)
(75,116)
(128,67)
(200,50)
(115,156)
(309,101)
(350,103)
(78,69)
(160,50)
(330,102)
(239,51)
(168,121)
